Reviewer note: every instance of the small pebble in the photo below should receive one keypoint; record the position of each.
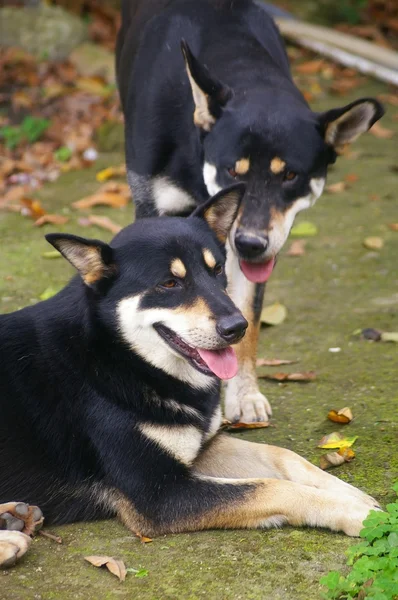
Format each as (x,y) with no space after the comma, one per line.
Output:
(334,349)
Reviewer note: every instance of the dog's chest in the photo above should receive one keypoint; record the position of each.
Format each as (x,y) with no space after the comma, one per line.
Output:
(182,441)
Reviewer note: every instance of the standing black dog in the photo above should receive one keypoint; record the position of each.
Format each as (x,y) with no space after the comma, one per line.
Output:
(225,109)
(110,397)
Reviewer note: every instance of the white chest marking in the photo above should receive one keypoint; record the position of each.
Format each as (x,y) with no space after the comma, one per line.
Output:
(214,424)
(210,176)
(183,442)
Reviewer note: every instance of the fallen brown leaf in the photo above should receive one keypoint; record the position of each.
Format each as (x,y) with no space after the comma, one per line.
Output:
(100,221)
(257,425)
(14,194)
(93,85)
(305,376)
(344,415)
(274,362)
(52,220)
(334,459)
(115,187)
(116,567)
(344,86)
(297,248)
(101,199)
(32,208)
(310,67)
(336,188)
(143,538)
(381,132)
(390,98)
(393,226)
(373,243)
(351,178)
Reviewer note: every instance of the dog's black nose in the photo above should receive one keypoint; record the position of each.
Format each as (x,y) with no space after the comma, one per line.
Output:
(250,246)
(232,328)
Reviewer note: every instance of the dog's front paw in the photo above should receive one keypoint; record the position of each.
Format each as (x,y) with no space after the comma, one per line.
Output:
(353,514)
(18,516)
(13,545)
(247,408)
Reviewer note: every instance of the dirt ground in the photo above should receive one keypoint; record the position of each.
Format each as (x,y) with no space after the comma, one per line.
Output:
(337,287)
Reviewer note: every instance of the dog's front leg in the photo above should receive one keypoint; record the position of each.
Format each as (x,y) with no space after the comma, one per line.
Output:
(213,503)
(243,400)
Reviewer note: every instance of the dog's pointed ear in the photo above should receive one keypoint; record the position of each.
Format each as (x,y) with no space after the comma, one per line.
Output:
(342,126)
(92,258)
(220,211)
(209,94)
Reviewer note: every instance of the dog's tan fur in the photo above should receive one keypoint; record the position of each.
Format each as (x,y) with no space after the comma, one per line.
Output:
(283,488)
(277,165)
(242,166)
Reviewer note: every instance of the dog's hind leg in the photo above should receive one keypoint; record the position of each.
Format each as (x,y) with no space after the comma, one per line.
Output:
(243,400)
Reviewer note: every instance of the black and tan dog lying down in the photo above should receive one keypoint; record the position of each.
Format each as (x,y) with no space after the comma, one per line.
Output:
(110,400)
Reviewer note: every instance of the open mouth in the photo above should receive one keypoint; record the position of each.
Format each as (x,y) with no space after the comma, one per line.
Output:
(257,272)
(222,363)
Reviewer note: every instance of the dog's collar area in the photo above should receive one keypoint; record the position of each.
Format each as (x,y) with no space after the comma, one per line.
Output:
(188,352)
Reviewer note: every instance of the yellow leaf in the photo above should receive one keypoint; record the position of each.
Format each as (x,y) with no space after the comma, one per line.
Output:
(110,172)
(274,314)
(373,243)
(336,440)
(343,416)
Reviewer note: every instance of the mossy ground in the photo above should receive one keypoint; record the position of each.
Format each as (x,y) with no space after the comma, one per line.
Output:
(336,288)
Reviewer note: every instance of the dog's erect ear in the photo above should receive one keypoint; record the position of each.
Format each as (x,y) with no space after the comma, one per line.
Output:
(209,94)
(92,258)
(342,126)
(220,210)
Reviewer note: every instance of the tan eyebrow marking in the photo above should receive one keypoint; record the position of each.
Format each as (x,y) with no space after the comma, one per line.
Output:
(177,267)
(277,165)
(209,258)
(242,166)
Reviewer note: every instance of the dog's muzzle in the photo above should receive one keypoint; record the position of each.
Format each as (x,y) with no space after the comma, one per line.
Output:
(249,245)
(232,328)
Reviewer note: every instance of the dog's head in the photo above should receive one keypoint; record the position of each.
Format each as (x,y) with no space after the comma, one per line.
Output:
(272,141)
(160,285)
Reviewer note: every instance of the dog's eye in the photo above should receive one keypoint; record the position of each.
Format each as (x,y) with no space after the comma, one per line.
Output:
(232,172)
(218,269)
(290,176)
(170,283)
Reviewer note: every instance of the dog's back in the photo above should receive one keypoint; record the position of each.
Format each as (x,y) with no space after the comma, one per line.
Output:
(136,15)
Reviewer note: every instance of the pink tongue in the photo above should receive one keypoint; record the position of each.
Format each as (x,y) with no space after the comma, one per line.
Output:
(257,272)
(223,362)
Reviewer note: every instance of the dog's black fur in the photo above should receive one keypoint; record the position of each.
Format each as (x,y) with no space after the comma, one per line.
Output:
(233,99)
(73,392)
(108,405)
